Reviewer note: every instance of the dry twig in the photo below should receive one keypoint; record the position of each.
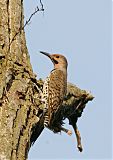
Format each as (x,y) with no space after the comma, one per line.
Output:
(37,9)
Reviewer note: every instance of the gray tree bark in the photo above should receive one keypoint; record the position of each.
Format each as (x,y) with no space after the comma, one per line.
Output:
(20,109)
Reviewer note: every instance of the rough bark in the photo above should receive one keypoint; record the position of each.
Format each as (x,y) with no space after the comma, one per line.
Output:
(20,109)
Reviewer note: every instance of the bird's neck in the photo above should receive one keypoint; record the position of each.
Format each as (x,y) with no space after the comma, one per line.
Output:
(64,70)
(62,67)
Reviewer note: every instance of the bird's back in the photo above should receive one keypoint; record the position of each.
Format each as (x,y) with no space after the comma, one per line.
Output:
(54,91)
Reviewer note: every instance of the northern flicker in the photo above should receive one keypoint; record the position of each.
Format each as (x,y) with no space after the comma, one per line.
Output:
(54,90)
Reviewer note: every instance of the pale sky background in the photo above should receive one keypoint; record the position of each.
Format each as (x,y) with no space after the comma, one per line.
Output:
(80,30)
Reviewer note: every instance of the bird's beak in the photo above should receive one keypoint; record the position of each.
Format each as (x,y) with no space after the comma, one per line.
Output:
(50,56)
(47,54)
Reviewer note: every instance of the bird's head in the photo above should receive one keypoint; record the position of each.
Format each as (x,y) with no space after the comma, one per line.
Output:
(58,60)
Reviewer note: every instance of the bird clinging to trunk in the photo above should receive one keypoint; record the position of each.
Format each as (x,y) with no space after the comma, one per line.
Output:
(54,91)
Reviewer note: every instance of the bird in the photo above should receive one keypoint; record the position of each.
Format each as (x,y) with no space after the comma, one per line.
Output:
(54,91)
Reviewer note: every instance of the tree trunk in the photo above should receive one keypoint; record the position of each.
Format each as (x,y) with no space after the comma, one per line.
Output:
(20,108)
(16,87)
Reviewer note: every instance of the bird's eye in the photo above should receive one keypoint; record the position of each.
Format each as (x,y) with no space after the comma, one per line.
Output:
(57,56)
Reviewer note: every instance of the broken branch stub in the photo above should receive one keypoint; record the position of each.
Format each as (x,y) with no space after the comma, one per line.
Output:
(72,108)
